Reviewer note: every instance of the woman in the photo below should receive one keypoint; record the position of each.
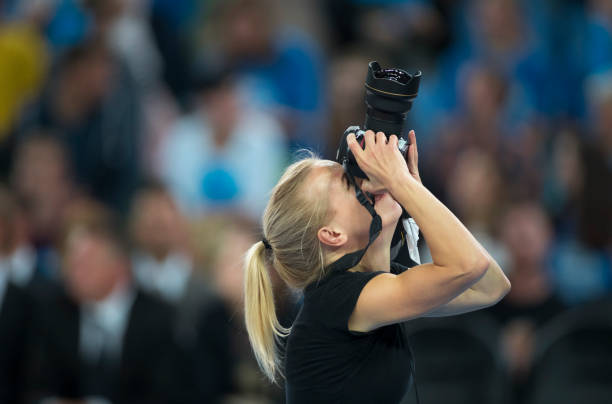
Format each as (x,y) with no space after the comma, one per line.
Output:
(347,343)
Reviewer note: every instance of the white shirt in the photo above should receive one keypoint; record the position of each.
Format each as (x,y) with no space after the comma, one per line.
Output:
(168,277)
(103,324)
(239,175)
(22,262)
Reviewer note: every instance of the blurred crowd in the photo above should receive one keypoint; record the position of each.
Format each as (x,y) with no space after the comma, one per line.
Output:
(139,141)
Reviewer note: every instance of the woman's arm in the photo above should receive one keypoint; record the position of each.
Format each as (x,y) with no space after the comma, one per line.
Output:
(489,290)
(458,259)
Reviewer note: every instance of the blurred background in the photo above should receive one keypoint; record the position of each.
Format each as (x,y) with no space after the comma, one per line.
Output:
(139,140)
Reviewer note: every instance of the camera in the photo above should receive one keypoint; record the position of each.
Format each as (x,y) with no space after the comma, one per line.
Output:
(389,96)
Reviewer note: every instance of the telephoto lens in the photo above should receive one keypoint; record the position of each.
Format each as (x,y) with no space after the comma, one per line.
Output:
(389,96)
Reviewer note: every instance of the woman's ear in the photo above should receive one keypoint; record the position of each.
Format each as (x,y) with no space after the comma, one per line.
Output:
(331,237)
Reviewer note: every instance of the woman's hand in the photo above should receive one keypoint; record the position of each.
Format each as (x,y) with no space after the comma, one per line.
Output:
(412,157)
(381,160)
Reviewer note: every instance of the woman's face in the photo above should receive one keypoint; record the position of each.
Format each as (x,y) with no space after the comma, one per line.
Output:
(346,214)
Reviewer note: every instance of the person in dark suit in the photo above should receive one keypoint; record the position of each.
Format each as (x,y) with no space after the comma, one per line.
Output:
(91,106)
(100,337)
(163,264)
(16,307)
(15,317)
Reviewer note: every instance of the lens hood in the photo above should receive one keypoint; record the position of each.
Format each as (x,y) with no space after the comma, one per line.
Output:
(392,83)
(389,96)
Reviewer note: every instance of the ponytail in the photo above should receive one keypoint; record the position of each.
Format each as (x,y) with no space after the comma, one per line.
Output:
(260,314)
(290,224)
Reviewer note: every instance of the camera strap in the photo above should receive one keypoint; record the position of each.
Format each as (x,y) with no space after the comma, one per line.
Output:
(352,259)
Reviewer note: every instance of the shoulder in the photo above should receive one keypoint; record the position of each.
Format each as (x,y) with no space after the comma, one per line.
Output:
(334,298)
(337,280)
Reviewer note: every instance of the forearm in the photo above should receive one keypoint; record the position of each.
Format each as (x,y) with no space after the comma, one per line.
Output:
(450,243)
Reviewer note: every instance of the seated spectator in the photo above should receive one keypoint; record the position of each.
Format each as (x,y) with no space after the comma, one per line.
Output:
(16,305)
(42,179)
(221,241)
(163,265)
(484,119)
(579,197)
(504,33)
(100,337)
(19,257)
(475,191)
(526,233)
(224,156)
(279,69)
(91,105)
(124,24)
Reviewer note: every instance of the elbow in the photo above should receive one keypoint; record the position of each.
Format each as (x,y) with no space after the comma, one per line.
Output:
(503,281)
(503,288)
(506,286)
(477,266)
(501,293)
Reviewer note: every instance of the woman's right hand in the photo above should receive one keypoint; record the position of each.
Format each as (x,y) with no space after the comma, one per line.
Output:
(381,160)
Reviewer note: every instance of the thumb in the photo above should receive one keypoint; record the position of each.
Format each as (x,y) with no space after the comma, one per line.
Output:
(372,186)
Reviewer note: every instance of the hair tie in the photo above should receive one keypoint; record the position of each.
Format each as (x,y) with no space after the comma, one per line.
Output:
(266,244)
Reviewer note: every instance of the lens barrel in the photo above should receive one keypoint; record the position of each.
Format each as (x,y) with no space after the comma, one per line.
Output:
(389,96)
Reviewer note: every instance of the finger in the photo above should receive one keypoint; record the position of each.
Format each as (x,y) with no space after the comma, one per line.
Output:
(412,159)
(393,140)
(381,138)
(413,149)
(351,142)
(354,146)
(413,141)
(369,138)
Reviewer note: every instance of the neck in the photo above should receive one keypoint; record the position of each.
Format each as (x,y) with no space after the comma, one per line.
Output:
(376,259)
(378,255)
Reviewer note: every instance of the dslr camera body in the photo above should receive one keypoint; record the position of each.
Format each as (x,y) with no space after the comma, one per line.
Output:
(389,96)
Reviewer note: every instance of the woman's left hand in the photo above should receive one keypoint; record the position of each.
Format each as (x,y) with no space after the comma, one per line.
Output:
(412,157)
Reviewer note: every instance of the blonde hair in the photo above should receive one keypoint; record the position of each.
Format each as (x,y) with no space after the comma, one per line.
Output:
(290,224)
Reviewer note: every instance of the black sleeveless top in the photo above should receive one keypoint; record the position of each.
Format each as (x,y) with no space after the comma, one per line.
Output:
(327,363)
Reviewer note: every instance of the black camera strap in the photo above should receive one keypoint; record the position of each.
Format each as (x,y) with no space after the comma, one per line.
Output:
(352,259)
